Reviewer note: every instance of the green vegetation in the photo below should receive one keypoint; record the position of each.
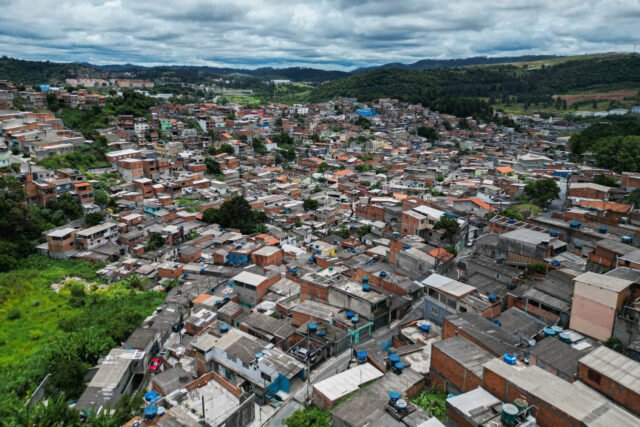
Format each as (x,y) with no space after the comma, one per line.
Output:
(613,143)
(88,120)
(83,158)
(94,218)
(213,167)
(21,226)
(449,225)
(607,181)
(542,191)
(235,213)
(61,333)
(310,204)
(311,417)
(429,133)
(433,401)
(463,91)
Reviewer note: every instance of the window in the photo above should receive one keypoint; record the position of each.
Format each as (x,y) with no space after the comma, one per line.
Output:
(265,377)
(433,293)
(594,376)
(451,303)
(434,311)
(462,309)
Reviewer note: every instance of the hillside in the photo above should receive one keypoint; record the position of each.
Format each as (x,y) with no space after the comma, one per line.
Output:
(34,72)
(427,64)
(432,87)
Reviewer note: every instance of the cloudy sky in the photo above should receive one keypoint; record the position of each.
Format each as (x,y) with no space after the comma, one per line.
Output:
(332,34)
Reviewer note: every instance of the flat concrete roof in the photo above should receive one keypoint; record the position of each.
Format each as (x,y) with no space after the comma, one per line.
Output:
(337,386)
(249,278)
(448,285)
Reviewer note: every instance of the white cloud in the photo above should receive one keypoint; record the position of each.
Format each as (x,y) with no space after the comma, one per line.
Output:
(322,33)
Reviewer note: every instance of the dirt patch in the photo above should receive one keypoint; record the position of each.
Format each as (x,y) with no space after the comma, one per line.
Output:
(618,95)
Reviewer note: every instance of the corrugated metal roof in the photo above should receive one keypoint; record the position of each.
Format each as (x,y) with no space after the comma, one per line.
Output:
(614,365)
(346,382)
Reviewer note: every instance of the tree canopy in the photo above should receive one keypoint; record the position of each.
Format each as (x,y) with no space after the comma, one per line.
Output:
(235,213)
(542,191)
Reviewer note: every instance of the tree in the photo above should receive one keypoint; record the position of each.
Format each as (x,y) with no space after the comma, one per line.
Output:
(70,206)
(213,167)
(513,212)
(101,197)
(323,167)
(607,181)
(542,191)
(429,133)
(449,225)
(310,204)
(155,241)
(93,218)
(210,215)
(311,417)
(235,213)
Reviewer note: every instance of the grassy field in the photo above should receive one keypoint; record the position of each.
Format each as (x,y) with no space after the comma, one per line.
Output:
(29,309)
(33,318)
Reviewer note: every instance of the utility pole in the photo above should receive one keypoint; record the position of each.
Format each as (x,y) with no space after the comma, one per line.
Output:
(308,365)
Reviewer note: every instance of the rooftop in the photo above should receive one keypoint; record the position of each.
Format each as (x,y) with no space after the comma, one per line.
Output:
(614,365)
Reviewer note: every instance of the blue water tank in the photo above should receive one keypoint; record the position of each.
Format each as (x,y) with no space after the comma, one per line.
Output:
(555,263)
(259,355)
(150,412)
(322,333)
(511,221)
(151,396)
(383,274)
(626,239)
(331,268)
(394,396)
(548,332)
(393,358)
(355,319)
(293,271)
(575,224)
(365,279)
(227,297)
(565,337)
(405,247)
(509,359)
(554,233)
(425,327)
(313,327)
(366,288)
(450,395)
(577,245)
(399,366)
(492,297)
(361,356)
(350,314)
(224,328)
(557,329)
(602,230)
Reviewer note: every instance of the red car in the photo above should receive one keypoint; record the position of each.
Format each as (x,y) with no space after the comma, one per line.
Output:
(155,364)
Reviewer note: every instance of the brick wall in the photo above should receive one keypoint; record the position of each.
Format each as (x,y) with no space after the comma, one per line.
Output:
(611,389)
(445,369)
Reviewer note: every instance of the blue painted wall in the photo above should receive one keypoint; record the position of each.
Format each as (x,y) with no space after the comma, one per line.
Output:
(435,312)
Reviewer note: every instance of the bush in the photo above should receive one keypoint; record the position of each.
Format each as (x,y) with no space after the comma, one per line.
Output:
(14,314)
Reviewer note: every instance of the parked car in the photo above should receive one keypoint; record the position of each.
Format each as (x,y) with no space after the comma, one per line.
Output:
(156,364)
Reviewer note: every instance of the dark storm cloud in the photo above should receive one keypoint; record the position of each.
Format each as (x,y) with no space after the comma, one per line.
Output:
(323,33)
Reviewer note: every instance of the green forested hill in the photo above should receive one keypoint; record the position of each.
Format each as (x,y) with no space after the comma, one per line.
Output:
(33,72)
(433,87)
